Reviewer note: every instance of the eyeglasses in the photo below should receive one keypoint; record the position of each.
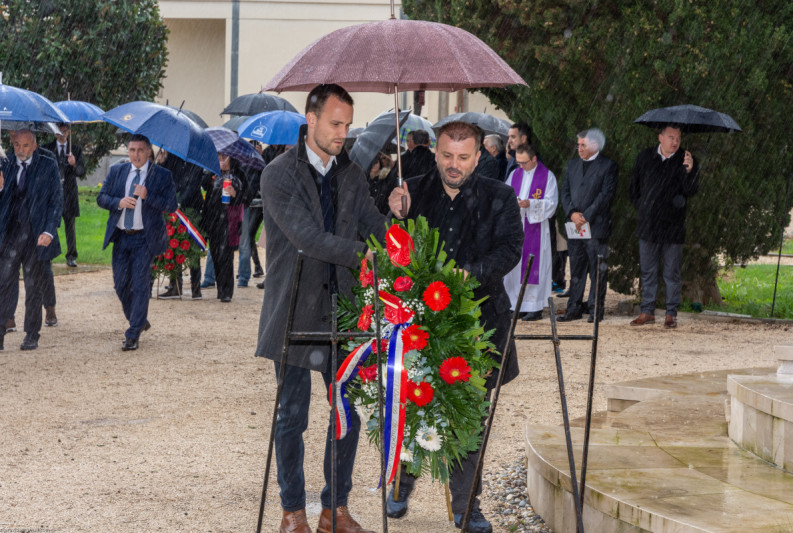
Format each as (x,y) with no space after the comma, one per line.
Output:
(523,163)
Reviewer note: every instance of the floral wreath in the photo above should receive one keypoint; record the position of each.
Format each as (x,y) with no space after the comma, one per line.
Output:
(438,355)
(184,249)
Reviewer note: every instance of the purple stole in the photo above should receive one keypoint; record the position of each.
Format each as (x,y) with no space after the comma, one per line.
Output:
(532,232)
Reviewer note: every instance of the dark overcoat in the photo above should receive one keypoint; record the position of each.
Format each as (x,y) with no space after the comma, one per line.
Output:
(69,175)
(293,221)
(590,194)
(44,198)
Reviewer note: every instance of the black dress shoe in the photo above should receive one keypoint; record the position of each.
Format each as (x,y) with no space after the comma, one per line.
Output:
(147,326)
(398,508)
(226,299)
(170,294)
(591,319)
(565,294)
(31,342)
(260,285)
(531,316)
(258,272)
(570,317)
(477,523)
(129,344)
(2,338)
(71,263)
(51,320)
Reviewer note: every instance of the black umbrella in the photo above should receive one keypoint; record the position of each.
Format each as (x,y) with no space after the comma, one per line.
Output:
(690,118)
(192,116)
(255,103)
(374,138)
(488,123)
(234,123)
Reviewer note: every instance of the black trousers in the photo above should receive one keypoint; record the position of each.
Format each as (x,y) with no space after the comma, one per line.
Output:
(223,259)
(71,238)
(19,249)
(583,259)
(558,259)
(257,217)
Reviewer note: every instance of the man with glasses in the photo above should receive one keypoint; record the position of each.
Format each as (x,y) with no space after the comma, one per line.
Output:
(535,188)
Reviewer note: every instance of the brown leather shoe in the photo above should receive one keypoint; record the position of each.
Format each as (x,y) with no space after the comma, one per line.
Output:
(294,522)
(670,322)
(642,319)
(344,522)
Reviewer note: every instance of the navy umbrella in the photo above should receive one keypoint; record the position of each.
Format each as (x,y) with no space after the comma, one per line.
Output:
(255,103)
(21,105)
(690,118)
(169,128)
(374,138)
(80,112)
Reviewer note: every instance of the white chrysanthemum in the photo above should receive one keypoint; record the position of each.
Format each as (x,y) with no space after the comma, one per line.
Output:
(364,413)
(428,438)
(406,456)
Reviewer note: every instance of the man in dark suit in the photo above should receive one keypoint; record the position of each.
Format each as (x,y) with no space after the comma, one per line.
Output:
(590,182)
(519,133)
(71,167)
(136,194)
(315,199)
(479,220)
(31,201)
(416,161)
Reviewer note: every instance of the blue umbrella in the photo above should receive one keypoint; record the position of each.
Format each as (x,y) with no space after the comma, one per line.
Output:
(26,106)
(169,128)
(273,127)
(229,143)
(80,112)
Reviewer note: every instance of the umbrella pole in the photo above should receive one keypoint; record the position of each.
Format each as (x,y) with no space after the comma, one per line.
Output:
(281,373)
(781,244)
(400,181)
(380,426)
(494,401)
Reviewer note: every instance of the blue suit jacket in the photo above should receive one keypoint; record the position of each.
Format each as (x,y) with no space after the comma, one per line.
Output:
(44,199)
(160,197)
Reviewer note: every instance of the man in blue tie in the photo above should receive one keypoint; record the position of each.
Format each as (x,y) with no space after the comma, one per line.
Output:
(31,202)
(136,194)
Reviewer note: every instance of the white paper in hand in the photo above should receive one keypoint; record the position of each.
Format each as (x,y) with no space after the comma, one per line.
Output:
(572,233)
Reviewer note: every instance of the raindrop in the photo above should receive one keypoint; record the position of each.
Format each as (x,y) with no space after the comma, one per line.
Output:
(316,357)
(567,34)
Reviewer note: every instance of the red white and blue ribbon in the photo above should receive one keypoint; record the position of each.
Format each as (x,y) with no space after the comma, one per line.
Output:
(395,396)
(192,231)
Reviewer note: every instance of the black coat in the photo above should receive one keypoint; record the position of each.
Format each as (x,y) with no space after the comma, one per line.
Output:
(489,247)
(590,195)
(488,166)
(69,175)
(214,217)
(417,162)
(659,191)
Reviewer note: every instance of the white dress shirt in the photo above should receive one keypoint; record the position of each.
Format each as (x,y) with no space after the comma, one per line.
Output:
(137,223)
(317,163)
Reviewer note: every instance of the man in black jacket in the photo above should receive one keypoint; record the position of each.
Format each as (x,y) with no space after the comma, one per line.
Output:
(479,220)
(71,167)
(662,180)
(590,182)
(416,161)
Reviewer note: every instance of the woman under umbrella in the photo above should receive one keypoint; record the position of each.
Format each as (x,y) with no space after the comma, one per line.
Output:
(222,219)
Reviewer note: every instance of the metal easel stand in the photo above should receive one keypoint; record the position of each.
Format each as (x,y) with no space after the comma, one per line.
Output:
(333,337)
(555,338)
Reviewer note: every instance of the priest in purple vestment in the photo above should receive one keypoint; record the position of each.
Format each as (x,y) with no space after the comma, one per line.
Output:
(536,190)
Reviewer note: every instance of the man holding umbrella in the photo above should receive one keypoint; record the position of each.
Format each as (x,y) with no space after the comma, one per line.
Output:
(136,194)
(31,201)
(71,167)
(662,180)
(315,199)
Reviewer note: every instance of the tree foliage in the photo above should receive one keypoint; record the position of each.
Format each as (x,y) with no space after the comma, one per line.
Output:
(106,53)
(604,63)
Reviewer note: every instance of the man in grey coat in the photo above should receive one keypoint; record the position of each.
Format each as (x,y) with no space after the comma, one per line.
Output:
(316,200)
(590,182)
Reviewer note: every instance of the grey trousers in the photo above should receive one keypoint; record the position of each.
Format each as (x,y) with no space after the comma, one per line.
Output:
(650,255)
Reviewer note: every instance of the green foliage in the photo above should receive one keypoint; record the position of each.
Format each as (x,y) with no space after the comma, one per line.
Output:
(605,63)
(106,53)
(457,409)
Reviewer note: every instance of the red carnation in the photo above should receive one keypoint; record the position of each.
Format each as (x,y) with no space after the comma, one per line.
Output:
(169,266)
(395,311)
(180,259)
(455,369)
(181,229)
(173,243)
(168,254)
(154,267)
(185,244)
(368,373)
(383,345)
(169,230)
(365,320)
(414,338)
(399,244)
(403,283)
(420,393)
(366,277)
(437,296)
(172,217)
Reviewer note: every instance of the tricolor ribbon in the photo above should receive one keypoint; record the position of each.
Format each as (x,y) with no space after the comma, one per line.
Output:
(192,231)
(395,396)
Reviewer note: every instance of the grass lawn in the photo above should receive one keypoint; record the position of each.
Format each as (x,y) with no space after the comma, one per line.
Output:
(787,247)
(750,291)
(90,230)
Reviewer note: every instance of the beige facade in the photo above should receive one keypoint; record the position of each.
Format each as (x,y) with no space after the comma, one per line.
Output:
(199,70)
